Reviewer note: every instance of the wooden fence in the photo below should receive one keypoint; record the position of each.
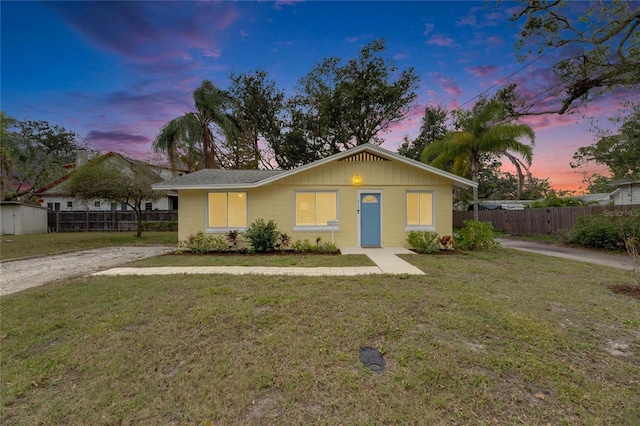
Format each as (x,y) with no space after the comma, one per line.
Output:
(104,221)
(541,221)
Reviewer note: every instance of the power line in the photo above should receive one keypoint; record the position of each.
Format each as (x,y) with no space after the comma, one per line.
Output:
(509,76)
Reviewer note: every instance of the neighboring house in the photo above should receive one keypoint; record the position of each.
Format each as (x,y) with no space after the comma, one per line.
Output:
(627,192)
(601,198)
(365,196)
(52,195)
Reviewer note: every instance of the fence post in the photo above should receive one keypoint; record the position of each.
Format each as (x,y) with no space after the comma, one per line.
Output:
(58,221)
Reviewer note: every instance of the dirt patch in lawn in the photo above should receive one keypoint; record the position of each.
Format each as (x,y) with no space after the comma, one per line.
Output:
(627,290)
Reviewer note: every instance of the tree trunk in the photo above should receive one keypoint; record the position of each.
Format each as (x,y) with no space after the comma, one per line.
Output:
(474,178)
(138,212)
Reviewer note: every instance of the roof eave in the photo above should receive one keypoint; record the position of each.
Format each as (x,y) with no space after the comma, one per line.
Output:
(203,186)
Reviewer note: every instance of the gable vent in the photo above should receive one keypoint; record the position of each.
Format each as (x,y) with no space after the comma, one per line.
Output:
(364,156)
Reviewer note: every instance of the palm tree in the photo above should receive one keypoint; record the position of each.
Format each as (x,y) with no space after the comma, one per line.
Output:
(483,131)
(190,136)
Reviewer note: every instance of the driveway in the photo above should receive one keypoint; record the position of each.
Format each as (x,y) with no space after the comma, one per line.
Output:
(621,261)
(19,275)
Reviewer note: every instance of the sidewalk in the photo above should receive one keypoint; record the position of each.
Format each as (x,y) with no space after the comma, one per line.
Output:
(385,259)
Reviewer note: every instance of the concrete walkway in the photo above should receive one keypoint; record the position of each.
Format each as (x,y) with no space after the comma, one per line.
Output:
(620,261)
(385,258)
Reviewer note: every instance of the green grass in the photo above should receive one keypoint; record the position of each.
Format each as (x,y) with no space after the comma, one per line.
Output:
(272,259)
(17,246)
(501,337)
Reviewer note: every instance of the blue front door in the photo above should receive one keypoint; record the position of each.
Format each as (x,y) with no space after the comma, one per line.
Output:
(370,220)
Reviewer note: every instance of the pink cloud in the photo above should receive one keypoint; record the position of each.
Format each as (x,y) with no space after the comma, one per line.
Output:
(450,86)
(440,40)
(482,70)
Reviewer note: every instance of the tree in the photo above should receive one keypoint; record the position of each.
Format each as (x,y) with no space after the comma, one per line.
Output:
(433,128)
(259,107)
(193,135)
(342,106)
(619,152)
(110,181)
(596,183)
(599,47)
(483,131)
(33,153)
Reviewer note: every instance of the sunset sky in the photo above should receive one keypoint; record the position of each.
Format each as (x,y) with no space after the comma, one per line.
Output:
(116,72)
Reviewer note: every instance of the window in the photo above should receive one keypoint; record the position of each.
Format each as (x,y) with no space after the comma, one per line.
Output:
(226,210)
(69,204)
(148,206)
(420,210)
(96,204)
(314,209)
(123,207)
(53,206)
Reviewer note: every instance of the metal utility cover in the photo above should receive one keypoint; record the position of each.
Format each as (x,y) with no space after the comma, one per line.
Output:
(372,359)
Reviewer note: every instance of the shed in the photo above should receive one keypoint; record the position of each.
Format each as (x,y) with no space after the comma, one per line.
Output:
(20,218)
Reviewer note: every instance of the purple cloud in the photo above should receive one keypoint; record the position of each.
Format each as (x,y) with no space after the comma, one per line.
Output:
(146,31)
(450,86)
(440,40)
(482,70)
(115,136)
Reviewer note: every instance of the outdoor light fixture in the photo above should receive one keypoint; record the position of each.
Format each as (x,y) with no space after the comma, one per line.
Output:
(357,180)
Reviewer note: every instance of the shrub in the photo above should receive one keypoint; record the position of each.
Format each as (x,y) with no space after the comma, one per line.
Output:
(602,231)
(477,236)
(262,236)
(284,241)
(320,246)
(233,238)
(299,246)
(326,247)
(201,243)
(632,244)
(424,241)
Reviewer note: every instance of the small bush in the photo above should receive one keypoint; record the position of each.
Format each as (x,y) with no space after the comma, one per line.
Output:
(299,246)
(326,247)
(284,241)
(424,241)
(233,238)
(477,236)
(632,244)
(201,243)
(602,231)
(262,236)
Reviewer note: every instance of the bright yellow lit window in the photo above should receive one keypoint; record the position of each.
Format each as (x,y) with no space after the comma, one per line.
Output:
(419,209)
(315,208)
(227,209)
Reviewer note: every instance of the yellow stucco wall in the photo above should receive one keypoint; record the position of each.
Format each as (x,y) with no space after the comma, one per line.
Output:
(391,178)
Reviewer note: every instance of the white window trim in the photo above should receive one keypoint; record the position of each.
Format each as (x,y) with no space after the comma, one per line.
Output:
(224,230)
(431,227)
(316,228)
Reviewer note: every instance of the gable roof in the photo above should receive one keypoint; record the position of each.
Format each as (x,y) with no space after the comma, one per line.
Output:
(220,179)
(140,167)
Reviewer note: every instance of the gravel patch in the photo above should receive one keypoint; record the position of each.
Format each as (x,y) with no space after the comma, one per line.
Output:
(20,275)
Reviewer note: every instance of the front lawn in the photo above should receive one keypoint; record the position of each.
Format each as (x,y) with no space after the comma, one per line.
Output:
(17,246)
(501,337)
